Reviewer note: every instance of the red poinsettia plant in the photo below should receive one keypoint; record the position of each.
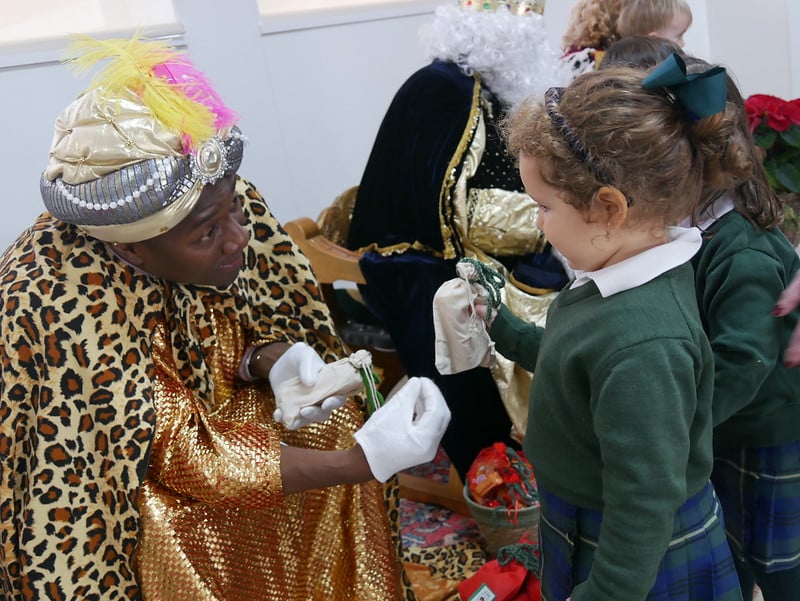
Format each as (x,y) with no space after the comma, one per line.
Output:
(502,477)
(775,124)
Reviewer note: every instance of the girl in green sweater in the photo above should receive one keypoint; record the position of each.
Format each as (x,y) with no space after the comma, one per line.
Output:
(619,428)
(743,265)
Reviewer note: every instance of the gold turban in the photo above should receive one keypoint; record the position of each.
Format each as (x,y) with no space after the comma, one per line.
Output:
(124,165)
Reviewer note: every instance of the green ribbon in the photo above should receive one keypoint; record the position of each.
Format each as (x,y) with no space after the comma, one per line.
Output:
(361,360)
(525,553)
(701,94)
(490,279)
(374,399)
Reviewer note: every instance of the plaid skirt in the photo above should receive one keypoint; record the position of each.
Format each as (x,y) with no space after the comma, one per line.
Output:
(759,490)
(697,565)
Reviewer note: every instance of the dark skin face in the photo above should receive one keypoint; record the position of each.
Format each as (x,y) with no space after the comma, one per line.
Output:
(206,248)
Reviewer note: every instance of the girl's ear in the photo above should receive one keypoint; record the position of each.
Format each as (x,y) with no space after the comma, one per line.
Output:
(610,207)
(130,252)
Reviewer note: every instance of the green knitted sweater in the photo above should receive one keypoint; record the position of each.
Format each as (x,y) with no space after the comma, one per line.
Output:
(620,416)
(740,272)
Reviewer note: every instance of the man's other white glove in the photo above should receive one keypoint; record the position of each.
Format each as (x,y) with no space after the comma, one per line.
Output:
(301,361)
(406,430)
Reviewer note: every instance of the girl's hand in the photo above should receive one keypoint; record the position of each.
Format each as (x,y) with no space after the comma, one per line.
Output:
(787,302)
(481,308)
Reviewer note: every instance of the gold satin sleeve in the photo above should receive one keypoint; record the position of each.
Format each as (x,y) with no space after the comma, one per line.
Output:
(492,223)
(514,382)
(503,223)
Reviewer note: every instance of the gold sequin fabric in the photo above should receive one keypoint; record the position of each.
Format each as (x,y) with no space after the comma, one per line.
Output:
(135,466)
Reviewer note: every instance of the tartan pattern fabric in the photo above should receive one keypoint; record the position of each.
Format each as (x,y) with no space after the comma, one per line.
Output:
(696,567)
(759,489)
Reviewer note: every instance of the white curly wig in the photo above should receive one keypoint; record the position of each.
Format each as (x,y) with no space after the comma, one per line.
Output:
(511,53)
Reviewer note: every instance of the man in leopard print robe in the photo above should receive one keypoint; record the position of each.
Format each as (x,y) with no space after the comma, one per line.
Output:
(137,462)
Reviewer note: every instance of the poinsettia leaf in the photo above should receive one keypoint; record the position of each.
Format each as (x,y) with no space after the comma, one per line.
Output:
(788,176)
(773,183)
(790,155)
(765,138)
(792,136)
(789,214)
(770,166)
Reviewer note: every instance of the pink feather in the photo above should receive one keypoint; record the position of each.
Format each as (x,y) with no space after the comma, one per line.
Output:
(197,87)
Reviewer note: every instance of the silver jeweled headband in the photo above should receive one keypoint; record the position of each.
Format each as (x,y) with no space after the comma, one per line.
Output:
(137,191)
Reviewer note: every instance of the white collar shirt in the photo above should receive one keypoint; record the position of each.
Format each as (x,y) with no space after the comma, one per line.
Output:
(720,207)
(639,269)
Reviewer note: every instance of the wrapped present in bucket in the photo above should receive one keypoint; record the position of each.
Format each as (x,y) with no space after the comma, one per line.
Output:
(500,492)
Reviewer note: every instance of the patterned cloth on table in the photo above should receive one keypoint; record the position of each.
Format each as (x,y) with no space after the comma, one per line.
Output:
(435,572)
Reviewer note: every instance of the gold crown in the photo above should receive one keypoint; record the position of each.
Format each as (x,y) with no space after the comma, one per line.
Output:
(516,7)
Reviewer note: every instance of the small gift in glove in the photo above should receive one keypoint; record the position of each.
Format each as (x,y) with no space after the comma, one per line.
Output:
(462,342)
(308,390)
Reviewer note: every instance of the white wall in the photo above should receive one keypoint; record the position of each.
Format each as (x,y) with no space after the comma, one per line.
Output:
(759,42)
(311,96)
(312,90)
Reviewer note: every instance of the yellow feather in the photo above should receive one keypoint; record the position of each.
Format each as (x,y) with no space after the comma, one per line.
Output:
(131,66)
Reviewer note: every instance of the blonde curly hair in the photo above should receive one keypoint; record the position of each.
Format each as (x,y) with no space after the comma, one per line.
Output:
(592,24)
(642,17)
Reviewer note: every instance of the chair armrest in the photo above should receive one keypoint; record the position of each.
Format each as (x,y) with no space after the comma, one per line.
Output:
(330,261)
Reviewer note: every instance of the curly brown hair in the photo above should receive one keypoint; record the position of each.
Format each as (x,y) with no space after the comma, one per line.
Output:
(639,51)
(738,169)
(648,145)
(592,24)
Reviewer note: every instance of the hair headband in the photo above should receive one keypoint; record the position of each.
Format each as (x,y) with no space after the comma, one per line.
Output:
(552,97)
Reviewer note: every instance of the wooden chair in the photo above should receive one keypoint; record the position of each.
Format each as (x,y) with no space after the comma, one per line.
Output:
(334,263)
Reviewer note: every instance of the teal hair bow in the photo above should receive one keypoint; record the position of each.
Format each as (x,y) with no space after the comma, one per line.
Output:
(701,94)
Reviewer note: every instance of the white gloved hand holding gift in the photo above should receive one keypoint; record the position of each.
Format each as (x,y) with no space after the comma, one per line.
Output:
(300,367)
(406,430)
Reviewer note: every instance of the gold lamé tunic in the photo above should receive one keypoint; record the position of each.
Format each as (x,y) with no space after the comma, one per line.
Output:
(215,524)
(137,466)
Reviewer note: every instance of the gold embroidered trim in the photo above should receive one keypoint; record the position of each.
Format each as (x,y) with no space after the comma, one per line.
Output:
(453,246)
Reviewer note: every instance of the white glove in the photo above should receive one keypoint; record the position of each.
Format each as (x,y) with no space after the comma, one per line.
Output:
(406,430)
(301,361)
(313,413)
